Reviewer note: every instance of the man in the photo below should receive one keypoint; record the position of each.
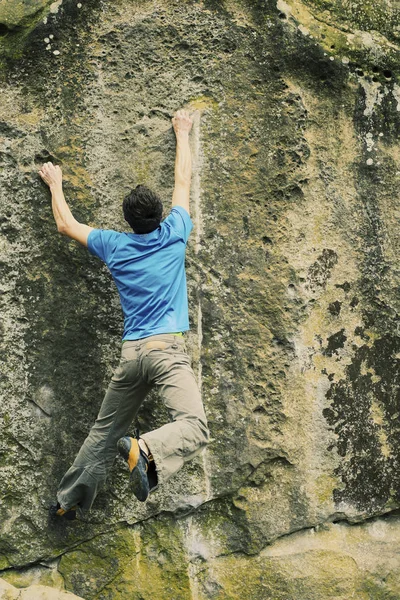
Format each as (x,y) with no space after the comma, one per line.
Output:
(148,268)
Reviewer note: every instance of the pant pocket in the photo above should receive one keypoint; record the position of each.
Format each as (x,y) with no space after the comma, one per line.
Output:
(129,353)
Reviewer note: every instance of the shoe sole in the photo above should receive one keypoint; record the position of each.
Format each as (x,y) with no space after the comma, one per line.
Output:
(56,512)
(138,480)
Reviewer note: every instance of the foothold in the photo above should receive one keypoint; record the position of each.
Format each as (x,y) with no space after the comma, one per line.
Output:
(387,74)
(56,52)
(79,5)
(266,240)
(370,161)
(334,308)
(336,342)
(51,36)
(354,301)
(48,47)
(346,286)
(47,40)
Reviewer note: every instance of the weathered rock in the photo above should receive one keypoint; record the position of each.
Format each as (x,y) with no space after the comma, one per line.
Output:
(293,280)
(33,592)
(15,14)
(18,18)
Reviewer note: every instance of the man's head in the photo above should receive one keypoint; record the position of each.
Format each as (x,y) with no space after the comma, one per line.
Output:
(142,209)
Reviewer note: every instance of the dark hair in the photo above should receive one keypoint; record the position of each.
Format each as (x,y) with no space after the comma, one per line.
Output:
(142,209)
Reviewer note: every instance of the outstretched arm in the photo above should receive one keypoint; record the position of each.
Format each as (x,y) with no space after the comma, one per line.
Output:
(182,124)
(66,222)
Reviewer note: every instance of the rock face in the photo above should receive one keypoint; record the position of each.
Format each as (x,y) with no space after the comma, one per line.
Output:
(293,280)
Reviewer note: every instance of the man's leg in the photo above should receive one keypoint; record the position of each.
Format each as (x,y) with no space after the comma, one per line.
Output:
(121,403)
(166,365)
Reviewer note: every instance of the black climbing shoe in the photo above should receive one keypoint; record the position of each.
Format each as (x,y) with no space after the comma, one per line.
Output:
(56,512)
(138,463)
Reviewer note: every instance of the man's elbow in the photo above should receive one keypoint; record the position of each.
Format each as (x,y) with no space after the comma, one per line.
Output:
(62,228)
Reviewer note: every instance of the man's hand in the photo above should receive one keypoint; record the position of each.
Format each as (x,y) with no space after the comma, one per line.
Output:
(51,174)
(182,122)
(66,223)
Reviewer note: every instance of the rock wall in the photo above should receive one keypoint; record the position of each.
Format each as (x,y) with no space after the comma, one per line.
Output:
(293,280)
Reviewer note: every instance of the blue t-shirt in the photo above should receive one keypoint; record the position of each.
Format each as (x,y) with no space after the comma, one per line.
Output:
(149,271)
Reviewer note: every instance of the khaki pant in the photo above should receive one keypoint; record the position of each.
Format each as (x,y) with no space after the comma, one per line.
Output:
(158,361)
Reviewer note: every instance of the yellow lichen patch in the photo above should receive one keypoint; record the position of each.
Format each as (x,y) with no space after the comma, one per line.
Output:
(71,157)
(241,16)
(37,272)
(378,417)
(323,488)
(202,103)
(13,109)
(309,26)
(31,118)
(310,575)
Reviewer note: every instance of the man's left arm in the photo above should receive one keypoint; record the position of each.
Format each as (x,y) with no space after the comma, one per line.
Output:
(66,222)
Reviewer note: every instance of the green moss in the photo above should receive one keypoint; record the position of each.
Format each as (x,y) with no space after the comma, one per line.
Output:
(20,13)
(140,563)
(18,18)
(4,562)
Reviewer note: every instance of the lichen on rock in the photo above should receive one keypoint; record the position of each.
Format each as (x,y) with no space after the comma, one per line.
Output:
(293,284)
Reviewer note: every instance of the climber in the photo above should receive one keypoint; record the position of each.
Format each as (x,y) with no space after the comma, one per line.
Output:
(148,267)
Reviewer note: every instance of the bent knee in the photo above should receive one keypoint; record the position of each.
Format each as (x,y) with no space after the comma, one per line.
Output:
(204,432)
(197,435)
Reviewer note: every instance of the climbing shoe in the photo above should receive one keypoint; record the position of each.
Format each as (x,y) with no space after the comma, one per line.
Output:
(138,463)
(56,511)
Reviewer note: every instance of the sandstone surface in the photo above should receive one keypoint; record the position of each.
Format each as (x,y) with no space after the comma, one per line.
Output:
(294,293)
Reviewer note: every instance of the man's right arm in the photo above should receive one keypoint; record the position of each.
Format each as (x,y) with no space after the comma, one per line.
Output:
(182,124)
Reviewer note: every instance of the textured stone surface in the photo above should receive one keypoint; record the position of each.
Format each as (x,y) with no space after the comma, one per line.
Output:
(33,592)
(293,280)
(14,14)
(20,17)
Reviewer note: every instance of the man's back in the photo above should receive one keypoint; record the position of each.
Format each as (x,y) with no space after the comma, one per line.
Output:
(149,271)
